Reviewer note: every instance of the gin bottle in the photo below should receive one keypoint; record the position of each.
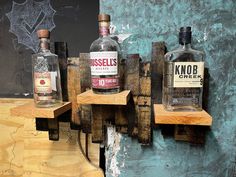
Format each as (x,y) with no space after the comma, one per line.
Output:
(46,74)
(183,76)
(104,60)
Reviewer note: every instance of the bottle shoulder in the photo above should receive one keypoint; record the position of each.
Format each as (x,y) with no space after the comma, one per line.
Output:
(45,54)
(182,54)
(104,44)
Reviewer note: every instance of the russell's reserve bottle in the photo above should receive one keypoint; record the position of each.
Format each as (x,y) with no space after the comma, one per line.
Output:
(46,74)
(183,76)
(104,60)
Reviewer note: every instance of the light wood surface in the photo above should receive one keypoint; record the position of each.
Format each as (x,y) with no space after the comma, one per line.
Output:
(186,118)
(28,110)
(89,97)
(11,140)
(27,152)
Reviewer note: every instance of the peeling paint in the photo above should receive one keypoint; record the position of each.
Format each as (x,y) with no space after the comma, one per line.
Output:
(214,32)
(112,150)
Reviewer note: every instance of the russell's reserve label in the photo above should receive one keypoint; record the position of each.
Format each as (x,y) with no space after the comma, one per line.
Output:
(42,82)
(188,74)
(104,63)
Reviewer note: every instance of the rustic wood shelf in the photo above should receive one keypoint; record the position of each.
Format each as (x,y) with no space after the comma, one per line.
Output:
(28,110)
(89,97)
(33,152)
(184,118)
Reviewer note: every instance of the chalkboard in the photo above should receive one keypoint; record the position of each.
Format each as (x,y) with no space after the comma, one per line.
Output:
(71,21)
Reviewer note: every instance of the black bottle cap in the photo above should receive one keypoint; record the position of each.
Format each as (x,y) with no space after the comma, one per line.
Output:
(185,35)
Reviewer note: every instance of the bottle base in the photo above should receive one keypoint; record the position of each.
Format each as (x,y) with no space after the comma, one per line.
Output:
(106,91)
(47,104)
(182,108)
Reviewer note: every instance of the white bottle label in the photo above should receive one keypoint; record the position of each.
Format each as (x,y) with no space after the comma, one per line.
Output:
(104,63)
(188,74)
(53,80)
(42,82)
(45,82)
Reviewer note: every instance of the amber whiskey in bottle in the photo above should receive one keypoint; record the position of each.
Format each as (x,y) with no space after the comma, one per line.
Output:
(183,76)
(104,60)
(46,74)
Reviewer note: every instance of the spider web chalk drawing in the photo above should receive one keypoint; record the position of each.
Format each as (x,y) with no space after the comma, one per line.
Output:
(26,18)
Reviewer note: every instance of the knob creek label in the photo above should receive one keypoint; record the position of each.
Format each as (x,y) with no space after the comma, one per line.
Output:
(188,74)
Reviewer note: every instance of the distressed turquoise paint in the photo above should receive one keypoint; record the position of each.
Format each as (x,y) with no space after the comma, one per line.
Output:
(214,32)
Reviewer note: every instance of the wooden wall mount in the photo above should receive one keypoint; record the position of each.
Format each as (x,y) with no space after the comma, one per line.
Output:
(45,118)
(162,116)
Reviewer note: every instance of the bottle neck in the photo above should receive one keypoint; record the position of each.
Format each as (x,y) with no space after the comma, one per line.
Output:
(104,29)
(44,45)
(185,46)
(185,38)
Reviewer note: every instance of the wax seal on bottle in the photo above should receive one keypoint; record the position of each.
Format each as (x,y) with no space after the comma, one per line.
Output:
(103,17)
(43,33)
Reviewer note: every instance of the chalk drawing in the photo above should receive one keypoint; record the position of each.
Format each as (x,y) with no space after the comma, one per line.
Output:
(25,18)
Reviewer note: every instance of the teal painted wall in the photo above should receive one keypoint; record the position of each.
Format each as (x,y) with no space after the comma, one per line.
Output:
(214,32)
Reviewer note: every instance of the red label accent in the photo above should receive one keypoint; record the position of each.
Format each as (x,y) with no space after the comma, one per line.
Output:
(42,82)
(105,83)
(103,62)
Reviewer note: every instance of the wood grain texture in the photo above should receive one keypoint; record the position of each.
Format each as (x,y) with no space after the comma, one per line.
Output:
(60,158)
(144,104)
(85,83)
(28,110)
(158,52)
(89,97)
(53,129)
(145,69)
(121,119)
(61,51)
(144,101)
(145,86)
(74,88)
(186,118)
(132,68)
(121,116)
(132,116)
(189,133)
(86,114)
(98,134)
(85,73)
(144,125)
(11,140)
(27,152)
(157,62)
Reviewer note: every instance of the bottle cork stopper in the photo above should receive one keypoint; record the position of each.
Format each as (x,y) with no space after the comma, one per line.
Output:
(103,17)
(43,33)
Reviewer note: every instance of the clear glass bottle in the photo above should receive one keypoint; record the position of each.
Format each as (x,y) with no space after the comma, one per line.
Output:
(46,74)
(183,76)
(104,57)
